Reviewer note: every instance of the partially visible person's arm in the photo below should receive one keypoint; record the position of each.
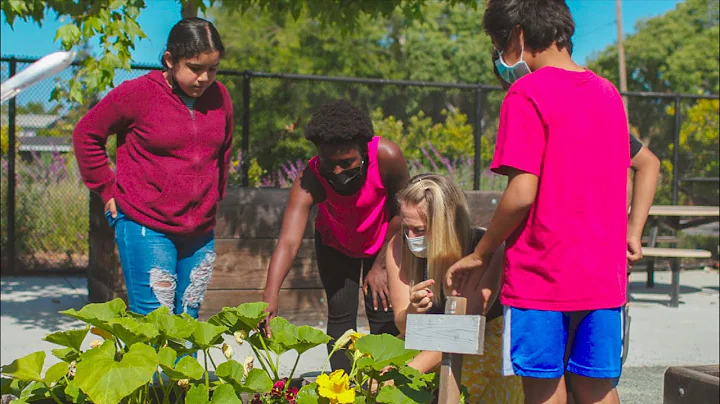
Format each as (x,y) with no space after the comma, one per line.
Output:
(646,167)
(110,116)
(519,155)
(395,175)
(398,282)
(291,234)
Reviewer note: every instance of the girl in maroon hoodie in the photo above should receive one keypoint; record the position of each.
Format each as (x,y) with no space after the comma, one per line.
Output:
(174,134)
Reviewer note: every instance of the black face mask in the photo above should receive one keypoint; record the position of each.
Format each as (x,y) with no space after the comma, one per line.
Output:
(346,180)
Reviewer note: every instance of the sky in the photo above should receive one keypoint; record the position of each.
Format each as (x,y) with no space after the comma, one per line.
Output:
(594,21)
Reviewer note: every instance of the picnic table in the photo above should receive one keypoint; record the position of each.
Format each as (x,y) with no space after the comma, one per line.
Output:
(675,218)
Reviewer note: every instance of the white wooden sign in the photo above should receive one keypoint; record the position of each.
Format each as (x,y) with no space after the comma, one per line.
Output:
(450,333)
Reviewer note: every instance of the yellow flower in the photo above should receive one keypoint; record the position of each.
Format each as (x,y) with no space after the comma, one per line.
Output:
(353,339)
(95,343)
(335,387)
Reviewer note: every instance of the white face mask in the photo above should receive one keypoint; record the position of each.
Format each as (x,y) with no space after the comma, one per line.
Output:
(417,246)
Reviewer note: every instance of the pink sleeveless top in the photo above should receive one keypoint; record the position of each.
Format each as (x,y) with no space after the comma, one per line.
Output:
(354,224)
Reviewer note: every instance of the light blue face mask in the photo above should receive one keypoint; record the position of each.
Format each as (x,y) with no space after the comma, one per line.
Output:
(417,246)
(514,72)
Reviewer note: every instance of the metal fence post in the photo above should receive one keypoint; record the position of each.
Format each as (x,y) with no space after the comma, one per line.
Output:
(676,153)
(479,112)
(12,253)
(246,129)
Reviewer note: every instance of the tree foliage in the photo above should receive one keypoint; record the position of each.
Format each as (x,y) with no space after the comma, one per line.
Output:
(114,24)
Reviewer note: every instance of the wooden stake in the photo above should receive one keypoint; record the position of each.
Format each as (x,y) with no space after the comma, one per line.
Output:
(451,368)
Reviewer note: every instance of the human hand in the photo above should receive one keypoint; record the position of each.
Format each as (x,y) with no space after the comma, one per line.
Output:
(111,207)
(272,300)
(634,249)
(460,273)
(421,297)
(376,280)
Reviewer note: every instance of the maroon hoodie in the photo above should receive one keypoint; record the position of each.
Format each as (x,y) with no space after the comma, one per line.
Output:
(172,166)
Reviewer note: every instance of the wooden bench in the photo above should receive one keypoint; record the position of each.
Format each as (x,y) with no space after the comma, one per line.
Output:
(675,255)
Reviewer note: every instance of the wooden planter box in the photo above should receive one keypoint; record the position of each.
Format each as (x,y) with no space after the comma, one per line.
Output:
(248,225)
(692,384)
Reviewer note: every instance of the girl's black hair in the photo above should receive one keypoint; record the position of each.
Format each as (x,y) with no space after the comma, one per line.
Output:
(340,122)
(191,37)
(542,21)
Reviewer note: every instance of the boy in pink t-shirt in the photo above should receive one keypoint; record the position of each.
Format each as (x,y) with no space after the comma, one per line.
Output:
(563,142)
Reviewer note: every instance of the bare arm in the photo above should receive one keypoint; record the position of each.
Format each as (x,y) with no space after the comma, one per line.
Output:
(395,175)
(398,283)
(646,167)
(291,235)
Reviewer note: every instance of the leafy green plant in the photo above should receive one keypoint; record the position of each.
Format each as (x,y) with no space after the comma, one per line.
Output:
(380,374)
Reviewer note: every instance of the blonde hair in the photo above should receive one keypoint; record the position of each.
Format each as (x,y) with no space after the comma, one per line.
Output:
(448,233)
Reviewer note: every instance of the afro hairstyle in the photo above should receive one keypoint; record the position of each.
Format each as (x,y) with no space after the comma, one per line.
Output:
(340,122)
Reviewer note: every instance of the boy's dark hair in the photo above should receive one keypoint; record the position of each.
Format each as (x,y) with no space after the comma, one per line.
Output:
(340,122)
(542,21)
(191,37)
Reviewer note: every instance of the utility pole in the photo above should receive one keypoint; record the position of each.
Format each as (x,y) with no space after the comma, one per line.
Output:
(621,52)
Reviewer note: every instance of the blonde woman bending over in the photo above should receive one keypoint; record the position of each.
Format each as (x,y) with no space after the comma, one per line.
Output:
(436,232)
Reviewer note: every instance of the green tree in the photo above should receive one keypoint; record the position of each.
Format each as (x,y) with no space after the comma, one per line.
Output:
(446,45)
(113,22)
(677,52)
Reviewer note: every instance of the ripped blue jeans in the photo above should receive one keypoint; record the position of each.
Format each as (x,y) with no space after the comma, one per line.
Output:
(163,270)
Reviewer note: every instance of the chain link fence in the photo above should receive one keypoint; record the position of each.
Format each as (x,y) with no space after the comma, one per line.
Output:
(441,127)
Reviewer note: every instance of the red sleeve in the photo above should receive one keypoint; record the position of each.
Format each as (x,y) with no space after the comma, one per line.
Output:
(226,151)
(109,116)
(521,137)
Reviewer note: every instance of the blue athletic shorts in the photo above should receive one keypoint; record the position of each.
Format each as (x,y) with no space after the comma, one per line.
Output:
(545,344)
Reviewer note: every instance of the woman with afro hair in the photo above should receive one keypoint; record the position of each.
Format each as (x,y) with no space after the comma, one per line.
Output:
(353,180)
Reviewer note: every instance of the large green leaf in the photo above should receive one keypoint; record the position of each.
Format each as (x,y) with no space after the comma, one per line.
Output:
(186,368)
(66,354)
(384,350)
(231,372)
(132,331)
(308,338)
(245,317)
(225,394)
(56,372)
(308,395)
(72,391)
(27,368)
(257,380)
(170,325)
(403,395)
(198,394)
(106,380)
(72,339)
(98,314)
(206,335)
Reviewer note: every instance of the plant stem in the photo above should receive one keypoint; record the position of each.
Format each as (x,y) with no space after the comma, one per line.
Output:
(212,361)
(292,372)
(207,373)
(265,348)
(157,398)
(260,359)
(54,397)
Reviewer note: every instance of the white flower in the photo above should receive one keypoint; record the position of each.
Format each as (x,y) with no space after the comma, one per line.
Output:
(95,343)
(240,336)
(184,383)
(248,365)
(227,351)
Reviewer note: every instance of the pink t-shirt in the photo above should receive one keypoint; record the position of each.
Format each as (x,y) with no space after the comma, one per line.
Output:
(570,130)
(355,224)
